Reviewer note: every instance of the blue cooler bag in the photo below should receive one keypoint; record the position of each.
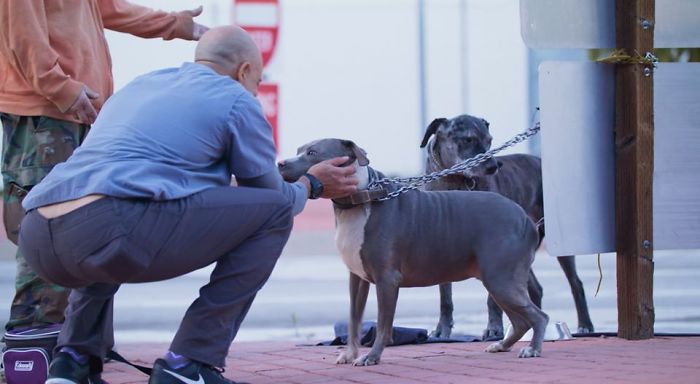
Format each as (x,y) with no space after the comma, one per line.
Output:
(27,354)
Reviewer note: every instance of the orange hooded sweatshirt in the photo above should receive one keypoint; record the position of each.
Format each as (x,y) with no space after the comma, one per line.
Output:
(50,49)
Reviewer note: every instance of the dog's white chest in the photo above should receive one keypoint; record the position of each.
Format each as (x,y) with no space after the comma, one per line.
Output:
(349,236)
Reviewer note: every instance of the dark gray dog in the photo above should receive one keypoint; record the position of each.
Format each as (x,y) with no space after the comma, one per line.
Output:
(426,238)
(518,177)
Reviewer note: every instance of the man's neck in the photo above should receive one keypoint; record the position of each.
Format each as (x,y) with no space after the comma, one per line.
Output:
(218,68)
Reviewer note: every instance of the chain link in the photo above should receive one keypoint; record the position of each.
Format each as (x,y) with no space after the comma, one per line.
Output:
(411,183)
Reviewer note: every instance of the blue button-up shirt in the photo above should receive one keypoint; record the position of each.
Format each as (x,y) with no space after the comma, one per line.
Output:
(166,135)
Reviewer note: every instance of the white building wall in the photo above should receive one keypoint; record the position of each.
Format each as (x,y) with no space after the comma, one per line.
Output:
(497,68)
(447,58)
(350,69)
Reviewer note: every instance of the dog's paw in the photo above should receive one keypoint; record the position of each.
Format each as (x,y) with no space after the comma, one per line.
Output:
(441,331)
(496,347)
(584,330)
(346,357)
(529,352)
(366,360)
(492,334)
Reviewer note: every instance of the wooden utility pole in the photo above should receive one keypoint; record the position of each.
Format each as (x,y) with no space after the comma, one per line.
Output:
(634,169)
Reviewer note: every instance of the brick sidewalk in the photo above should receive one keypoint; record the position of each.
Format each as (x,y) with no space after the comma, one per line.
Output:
(585,360)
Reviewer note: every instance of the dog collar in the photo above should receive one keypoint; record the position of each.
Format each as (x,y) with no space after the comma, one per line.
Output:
(361,197)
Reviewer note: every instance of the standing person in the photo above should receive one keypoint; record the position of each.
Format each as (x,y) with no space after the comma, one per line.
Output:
(147,197)
(55,75)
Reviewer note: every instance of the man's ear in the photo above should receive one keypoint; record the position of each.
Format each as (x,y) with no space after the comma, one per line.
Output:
(359,153)
(432,128)
(242,71)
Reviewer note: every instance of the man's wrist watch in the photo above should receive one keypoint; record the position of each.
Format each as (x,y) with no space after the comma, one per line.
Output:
(316,186)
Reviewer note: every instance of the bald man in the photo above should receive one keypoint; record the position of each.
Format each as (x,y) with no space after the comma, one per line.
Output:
(147,197)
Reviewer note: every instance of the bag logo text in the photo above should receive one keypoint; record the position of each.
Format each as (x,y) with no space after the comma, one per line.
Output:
(24,366)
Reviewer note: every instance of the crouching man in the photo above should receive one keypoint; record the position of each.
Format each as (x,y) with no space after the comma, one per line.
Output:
(147,197)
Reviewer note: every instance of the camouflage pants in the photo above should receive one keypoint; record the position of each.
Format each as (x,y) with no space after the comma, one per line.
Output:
(32,145)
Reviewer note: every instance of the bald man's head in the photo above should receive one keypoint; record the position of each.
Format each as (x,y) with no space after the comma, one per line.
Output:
(231,51)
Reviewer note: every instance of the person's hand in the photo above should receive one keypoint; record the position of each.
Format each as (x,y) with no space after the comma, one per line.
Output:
(337,181)
(82,109)
(198,29)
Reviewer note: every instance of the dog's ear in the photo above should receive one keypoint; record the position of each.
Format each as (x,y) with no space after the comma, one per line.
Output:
(359,153)
(486,123)
(432,128)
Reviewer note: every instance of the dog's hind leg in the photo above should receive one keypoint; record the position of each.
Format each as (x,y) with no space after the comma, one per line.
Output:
(534,289)
(518,324)
(568,265)
(523,315)
(537,320)
(494,328)
(358,298)
(387,294)
(446,322)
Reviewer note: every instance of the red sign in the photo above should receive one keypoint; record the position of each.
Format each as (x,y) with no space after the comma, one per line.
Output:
(268,94)
(261,19)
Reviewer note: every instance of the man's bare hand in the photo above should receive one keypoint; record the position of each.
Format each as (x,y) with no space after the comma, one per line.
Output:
(82,109)
(337,181)
(198,29)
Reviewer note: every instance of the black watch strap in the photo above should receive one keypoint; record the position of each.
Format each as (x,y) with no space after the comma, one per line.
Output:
(316,186)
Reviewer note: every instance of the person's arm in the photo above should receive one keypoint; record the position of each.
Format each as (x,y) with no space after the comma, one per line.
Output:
(296,193)
(24,30)
(123,16)
(337,181)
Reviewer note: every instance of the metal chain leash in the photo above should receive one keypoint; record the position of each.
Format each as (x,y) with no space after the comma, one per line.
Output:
(415,182)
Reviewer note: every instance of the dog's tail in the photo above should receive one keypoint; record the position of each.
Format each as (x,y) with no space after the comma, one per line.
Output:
(534,232)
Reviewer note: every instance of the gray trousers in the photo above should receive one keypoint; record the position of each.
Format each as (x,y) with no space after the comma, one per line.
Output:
(112,241)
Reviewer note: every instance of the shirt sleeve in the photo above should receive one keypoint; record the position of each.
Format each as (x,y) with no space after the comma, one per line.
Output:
(122,16)
(296,193)
(252,151)
(26,39)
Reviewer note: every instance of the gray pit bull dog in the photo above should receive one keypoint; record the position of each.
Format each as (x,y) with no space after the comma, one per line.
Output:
(517,177)
(426,238)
